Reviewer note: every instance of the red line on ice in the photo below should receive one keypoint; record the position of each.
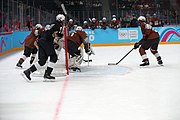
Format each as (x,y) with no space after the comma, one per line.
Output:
(58,107)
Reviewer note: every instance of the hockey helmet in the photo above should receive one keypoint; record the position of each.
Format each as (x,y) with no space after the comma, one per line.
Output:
(104,18)
(93,19)
(113,16)
(38,26)
(142,19)
(70,20)
(85,22)
(114,19)
(47,27)
(79,28)
(60,17)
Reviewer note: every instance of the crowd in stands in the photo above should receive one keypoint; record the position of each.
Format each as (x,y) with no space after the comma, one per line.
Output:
(82,4)
(135,4)
(130,10)
(114,23)
(93,23)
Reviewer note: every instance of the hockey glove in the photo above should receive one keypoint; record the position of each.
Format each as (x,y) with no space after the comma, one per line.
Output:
(56,46)
(136,45)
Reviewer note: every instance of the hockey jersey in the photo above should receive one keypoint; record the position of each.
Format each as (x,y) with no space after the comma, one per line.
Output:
(31,38)
(77,37)
(148,31)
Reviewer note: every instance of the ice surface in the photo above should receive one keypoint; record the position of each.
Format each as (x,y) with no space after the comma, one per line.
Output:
(100,92)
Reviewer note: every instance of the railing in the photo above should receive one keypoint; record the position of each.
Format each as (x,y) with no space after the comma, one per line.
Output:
(16,16)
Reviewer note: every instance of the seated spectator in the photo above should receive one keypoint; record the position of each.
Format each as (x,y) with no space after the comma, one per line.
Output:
(155,21)
(71,24)
(93,24)
(114,24)
(103,24)
(85,25)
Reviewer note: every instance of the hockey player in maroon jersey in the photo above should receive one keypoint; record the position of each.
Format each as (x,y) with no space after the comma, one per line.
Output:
(85,25)
(114,24)
(93,24)
(104,23)
(155,21)
(150,40)
(75,39)
(71,24)
(29,45)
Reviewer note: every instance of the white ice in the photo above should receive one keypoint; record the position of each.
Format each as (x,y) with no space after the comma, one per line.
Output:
(99,92)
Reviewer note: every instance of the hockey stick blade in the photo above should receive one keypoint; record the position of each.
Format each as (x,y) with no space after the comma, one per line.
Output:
(112,64)
(87,60)
(63,8)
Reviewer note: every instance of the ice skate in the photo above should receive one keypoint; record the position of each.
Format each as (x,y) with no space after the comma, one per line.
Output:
(47,75)
(160,61)
(18,65)
(26,75)
(145,63)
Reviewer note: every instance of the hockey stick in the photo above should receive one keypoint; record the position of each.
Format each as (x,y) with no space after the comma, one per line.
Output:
(121,58)
(87,60)
(63,8)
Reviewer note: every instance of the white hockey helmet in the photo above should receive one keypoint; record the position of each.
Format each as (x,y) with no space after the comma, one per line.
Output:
(38,26)
(113,16)
(104,18)
(142,19)
(85,22)
(78,28)
(114,19)
(47,27)
(60,17)
(93,19)
(70,20)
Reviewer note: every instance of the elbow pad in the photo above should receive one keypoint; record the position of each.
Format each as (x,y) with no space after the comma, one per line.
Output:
(36,32)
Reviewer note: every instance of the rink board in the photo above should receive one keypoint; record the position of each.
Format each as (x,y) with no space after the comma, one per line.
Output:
(110,37)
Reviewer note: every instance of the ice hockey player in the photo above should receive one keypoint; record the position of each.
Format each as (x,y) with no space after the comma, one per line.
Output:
(30,46)
(93,24)
(46,49)
(104,23)
(155,21)
(150,40)
(85,25)
(75,39)
(114,24)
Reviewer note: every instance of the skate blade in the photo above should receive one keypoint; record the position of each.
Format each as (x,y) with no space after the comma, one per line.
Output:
(16,67)
(75,69)
(160,64)
(147,66)
(24,76)
(49,80)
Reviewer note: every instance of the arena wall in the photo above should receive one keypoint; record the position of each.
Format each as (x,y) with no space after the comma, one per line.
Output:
(13,41)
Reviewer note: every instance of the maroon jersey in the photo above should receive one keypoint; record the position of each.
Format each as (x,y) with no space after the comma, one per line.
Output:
(77,37)
(155,22)
(114,24)
(93,24)
(31,38)
(148,32)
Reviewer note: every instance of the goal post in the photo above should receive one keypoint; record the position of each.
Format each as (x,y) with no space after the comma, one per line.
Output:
(66,50)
